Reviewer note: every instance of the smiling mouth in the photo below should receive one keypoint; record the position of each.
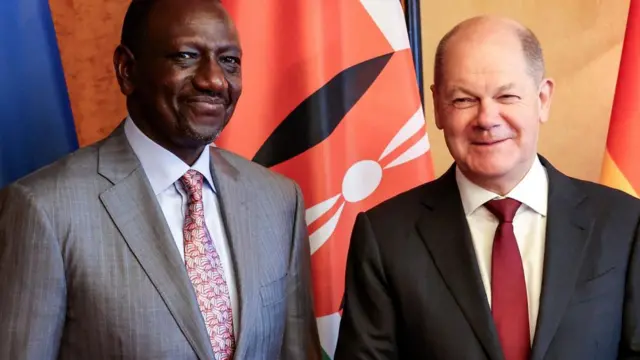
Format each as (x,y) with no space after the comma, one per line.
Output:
(489,143)
(207,104)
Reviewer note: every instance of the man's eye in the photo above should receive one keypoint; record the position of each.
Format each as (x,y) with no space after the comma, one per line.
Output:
(508,98)
(231,60)
(463,102)
(185,55)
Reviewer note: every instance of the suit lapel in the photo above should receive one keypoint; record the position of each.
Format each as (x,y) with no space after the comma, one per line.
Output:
(446,234)
(568,231)
(236,217)
(137,215)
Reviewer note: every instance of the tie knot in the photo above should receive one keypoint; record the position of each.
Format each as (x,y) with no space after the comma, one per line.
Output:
(503,209)
(192,181)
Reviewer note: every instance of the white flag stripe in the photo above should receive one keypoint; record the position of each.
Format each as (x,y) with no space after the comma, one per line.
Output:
(320,236)
(389,17)
(313,213)
(328,327)
(418,149)
(415,123)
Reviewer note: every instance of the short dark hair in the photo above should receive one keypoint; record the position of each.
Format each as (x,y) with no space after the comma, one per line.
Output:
(530,48)
(135,24)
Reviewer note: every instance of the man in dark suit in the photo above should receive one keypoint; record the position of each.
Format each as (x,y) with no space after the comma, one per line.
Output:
(151,244)
(503,257)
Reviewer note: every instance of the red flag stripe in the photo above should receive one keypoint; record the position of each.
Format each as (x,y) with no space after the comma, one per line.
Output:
(624,129)
(291,49)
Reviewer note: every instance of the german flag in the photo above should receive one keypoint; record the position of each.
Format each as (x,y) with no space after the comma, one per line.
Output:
(330,99)
(621,168)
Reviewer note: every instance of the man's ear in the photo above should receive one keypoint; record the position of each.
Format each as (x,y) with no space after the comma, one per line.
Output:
(436,106)
(544,96)
(124,66)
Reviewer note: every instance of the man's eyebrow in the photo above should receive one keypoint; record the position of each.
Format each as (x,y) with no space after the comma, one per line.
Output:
(221,46)
(230,47)
(458,88)
(506,87)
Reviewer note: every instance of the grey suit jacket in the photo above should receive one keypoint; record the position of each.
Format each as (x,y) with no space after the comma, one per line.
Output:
(414,289)
(88,268)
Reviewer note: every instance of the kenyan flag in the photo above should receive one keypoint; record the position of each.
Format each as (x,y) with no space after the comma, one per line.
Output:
(330,100)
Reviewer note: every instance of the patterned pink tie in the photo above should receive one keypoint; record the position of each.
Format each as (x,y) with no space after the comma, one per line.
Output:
(205,271)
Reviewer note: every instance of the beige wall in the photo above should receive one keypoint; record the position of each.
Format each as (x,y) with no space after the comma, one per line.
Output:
(582,41)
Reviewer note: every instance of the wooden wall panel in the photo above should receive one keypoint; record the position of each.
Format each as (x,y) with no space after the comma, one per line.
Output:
(88,32)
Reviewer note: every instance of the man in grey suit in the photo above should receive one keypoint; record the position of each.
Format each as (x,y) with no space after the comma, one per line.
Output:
(150,244)
(503,257)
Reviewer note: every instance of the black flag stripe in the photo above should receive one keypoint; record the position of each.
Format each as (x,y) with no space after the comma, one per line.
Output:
(317,116)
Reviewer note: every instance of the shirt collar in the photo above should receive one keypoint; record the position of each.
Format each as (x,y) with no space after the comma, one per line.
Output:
(161,166)
(532,191)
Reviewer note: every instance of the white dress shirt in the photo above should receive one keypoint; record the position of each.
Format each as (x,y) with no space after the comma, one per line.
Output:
(529,227)
(164,170)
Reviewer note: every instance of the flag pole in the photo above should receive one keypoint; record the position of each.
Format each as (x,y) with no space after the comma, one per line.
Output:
(412,18)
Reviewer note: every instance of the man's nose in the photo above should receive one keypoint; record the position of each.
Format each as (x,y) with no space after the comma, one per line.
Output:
(210,77)
(488,114)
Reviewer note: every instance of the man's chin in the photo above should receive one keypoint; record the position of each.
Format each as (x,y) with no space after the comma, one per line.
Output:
(205,137)
(205,129)
(489,168)
(197,136)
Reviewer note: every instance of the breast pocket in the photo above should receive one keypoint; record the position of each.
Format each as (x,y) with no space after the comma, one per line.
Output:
(599,285)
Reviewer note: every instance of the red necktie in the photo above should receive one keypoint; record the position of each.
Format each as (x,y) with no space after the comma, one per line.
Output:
(508,288)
